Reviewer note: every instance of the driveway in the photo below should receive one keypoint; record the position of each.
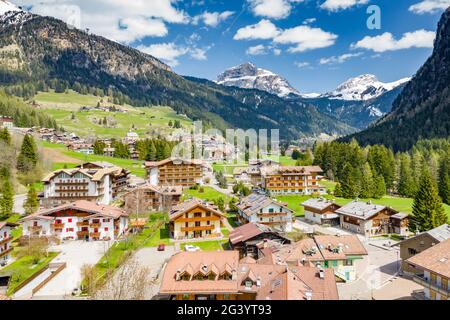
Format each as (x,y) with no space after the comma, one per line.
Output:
(19,200)
(75,254)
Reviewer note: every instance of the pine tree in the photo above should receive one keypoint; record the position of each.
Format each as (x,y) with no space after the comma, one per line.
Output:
(379,189)
(367,183)
(28,156)
(406,184)
(444,179)
(32,202)
(6,200)
(5,136)
(428,211)
(338,190)
(348,184)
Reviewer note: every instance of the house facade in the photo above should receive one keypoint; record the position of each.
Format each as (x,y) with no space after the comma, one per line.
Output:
(321,211)
(81,220)
(419,243)
(148,198)
(372,220)
(292,180)
(5,241)
(6,122)
(195,219)
(261,209)
(175,172)
(222,276)
(433,271)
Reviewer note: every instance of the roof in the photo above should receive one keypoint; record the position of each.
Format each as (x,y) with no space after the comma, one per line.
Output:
(8,224)
(165,190)
(441,233)
(339,247)
(249,231)
(400,215)
(292,170)
(361,210)
(435,259)
(153,164)
(94,174)
(81,205)
(254,202)
(188,205)
(318,203)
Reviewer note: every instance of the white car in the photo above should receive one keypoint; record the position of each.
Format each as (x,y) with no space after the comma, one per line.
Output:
(191,248)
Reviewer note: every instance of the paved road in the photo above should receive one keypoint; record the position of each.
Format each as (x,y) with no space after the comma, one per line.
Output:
(75,254)
(19,200)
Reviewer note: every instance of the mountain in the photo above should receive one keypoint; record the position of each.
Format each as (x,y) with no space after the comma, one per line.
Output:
(363,88)
(6,6)
(38,53)
(422,110)
(249,76)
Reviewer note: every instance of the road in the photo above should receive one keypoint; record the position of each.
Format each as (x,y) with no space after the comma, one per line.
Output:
(19,200)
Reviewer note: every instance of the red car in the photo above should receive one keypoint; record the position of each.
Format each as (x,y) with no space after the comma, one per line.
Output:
(161,247)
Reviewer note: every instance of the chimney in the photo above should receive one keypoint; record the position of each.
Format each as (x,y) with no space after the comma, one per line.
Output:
(308,295)
(321,273)
(178,275)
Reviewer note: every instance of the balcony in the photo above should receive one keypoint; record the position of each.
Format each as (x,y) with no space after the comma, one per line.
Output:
(5,240)
(82,234)
(95,225)
(58,226)
(198,219)
(35,229)
(4,253)
(426,283)
(201,228)
(95,235)
(83,224)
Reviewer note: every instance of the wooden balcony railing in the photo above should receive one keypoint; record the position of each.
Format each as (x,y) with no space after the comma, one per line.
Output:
(58,226)
(83,224)
(201,228)
(34,228)
(4,253)
(82,234)
(5,240)
(95,225)
(94,234)
(198,219)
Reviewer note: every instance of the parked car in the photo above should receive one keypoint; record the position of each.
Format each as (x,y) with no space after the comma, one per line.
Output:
(191,248)
(161,247)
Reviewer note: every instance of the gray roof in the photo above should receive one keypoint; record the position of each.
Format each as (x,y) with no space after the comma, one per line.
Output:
(254,202)
(361,210)
(441,233)
(318,203)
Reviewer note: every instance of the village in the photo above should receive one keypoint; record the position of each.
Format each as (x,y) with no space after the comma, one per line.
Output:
(98,227)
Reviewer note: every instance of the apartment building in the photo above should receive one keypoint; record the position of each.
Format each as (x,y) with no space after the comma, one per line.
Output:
(195,219)
(261,209)
(148,198)
(292,180)
(419,243)
(175,172)
(5,241)
(96,182)
(6,122)
(433,271)
(221,276)
(372,220)
(80,220)
(321,211)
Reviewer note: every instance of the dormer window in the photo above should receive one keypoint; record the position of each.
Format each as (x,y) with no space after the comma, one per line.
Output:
(248,283)
(225,276)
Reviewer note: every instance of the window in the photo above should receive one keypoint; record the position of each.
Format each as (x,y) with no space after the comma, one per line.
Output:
(271,210)
(106,229)
(70,220)
(348,263)
(412,251)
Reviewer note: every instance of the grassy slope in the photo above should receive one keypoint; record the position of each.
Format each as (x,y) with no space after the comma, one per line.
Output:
(145,120)
(208,194)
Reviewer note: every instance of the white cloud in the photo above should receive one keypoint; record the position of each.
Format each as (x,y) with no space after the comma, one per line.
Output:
(212,19)
(301,65)
(277,51)
(386,41)
(429,6)
(257,50)
(123,21)
(336,5)
(339,59)
(306,38)
(167,52)
(262,30)
(310,21)
(274,9)
(198,54)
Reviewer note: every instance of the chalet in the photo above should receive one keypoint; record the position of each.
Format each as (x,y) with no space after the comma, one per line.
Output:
(148,198)
(372,220)
(6,122)
(247,238)
(292,180)
(81,220)
(5,241)
(175,172)
(194,219)
(419,243)
(221,276)
(321,211)
(252,173)
(261,209)
(433,270)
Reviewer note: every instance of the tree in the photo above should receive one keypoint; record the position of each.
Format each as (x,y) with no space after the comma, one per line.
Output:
(406,184)
(5,136)
(32,202)
(379,187)
(28,156)
(99,147)
(6,200)
(348,184)
(367,183)
(296,154)
(444,178)
(338,190)
(220,203)
(428,211)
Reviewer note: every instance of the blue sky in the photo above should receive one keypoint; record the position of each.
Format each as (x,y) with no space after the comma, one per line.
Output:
(315,44)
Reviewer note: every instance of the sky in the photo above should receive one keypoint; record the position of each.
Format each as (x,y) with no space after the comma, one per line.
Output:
(314,44)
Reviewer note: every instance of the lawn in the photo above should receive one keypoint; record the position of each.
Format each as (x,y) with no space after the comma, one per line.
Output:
(215,245)
(294,203)
(136,167)
(23,268)
(208,193)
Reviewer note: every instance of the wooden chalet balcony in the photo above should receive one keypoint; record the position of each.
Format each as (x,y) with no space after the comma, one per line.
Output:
(6,240)
(212,218)
(272,214)
(83,224)
(58,226)
(34,228)
(94,234)
(4,253)
(201,228)
(95,225)
(82,234)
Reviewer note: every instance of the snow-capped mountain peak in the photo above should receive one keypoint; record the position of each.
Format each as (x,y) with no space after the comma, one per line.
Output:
(364,87)
(6,6)
(249,76)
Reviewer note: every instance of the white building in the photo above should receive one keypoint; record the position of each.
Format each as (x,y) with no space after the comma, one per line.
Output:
(6,122)
(5,241)
(261,209)
(81,220)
